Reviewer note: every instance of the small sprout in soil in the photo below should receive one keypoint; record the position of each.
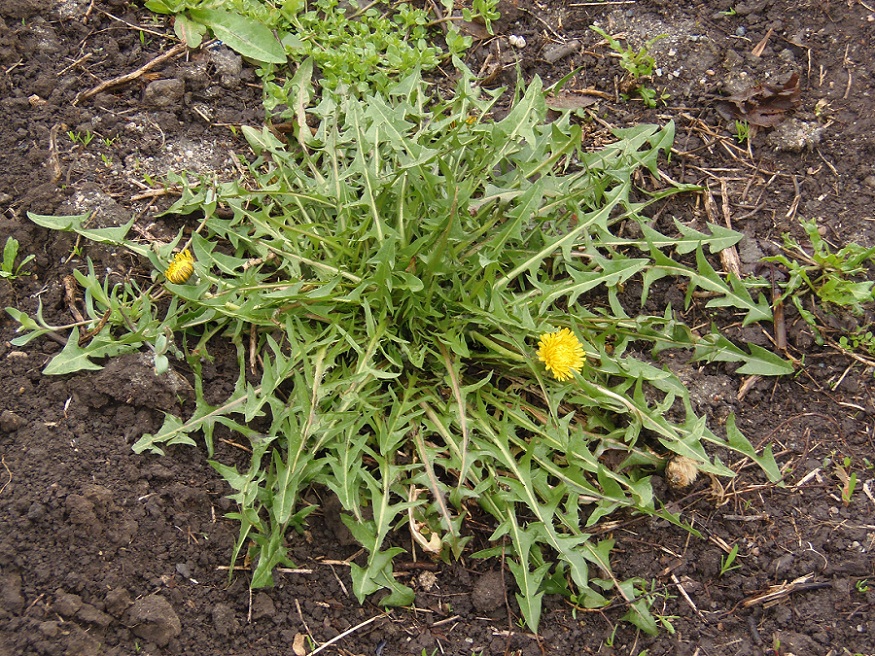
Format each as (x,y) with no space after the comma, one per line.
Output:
(8,268)
(652,97)
(639,64)
(838,282)
(848,488)
(729,12)
(666,622)
(609,641)
(485,10)
(727,562)
(78,137)
(742,131)
(822,109)
(858,341)
(848,482)
(862,586)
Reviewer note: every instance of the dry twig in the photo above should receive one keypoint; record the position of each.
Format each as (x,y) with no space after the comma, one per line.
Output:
(175,51)
(777,592)
(686,597)
(341,636)
(8,473)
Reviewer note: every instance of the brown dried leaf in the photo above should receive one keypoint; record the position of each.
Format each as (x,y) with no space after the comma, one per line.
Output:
(570,100)
(761,46)
(763,105)
(299,645)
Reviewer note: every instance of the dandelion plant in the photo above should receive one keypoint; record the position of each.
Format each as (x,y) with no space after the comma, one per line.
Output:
(435,301)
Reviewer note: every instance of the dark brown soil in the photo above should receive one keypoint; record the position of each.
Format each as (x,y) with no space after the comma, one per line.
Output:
(106,552)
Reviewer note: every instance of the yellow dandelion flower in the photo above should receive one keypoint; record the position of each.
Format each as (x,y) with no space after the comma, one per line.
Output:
(561,352)
(180,268)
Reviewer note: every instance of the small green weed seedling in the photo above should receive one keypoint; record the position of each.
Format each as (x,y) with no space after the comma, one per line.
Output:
(609,641)
(8,268)
(848,488)
(355,47)
(727,562)
(79,138)
(651,97)
(485,10)
(863,342)
(837,282)
(847,481)
(642,612)
(742,131)
(638,64)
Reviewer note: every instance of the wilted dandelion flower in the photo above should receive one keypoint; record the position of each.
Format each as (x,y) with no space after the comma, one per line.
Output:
(681,472)
(561,352)
(180,268)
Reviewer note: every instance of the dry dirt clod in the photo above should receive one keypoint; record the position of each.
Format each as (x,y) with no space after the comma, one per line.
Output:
(91,615)
(10,422)
(164,93)
(794,136)
(263,607)
(229,66)
(66,605)
(224,620)
(118,601)
(11,599)
(488,593)
(152,618)
(132,379)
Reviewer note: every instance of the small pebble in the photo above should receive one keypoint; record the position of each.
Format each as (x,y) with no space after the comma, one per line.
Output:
(517,41)
(164,93)
(10,422)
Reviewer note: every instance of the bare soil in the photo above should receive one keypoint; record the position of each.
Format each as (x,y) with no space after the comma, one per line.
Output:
(106,552)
